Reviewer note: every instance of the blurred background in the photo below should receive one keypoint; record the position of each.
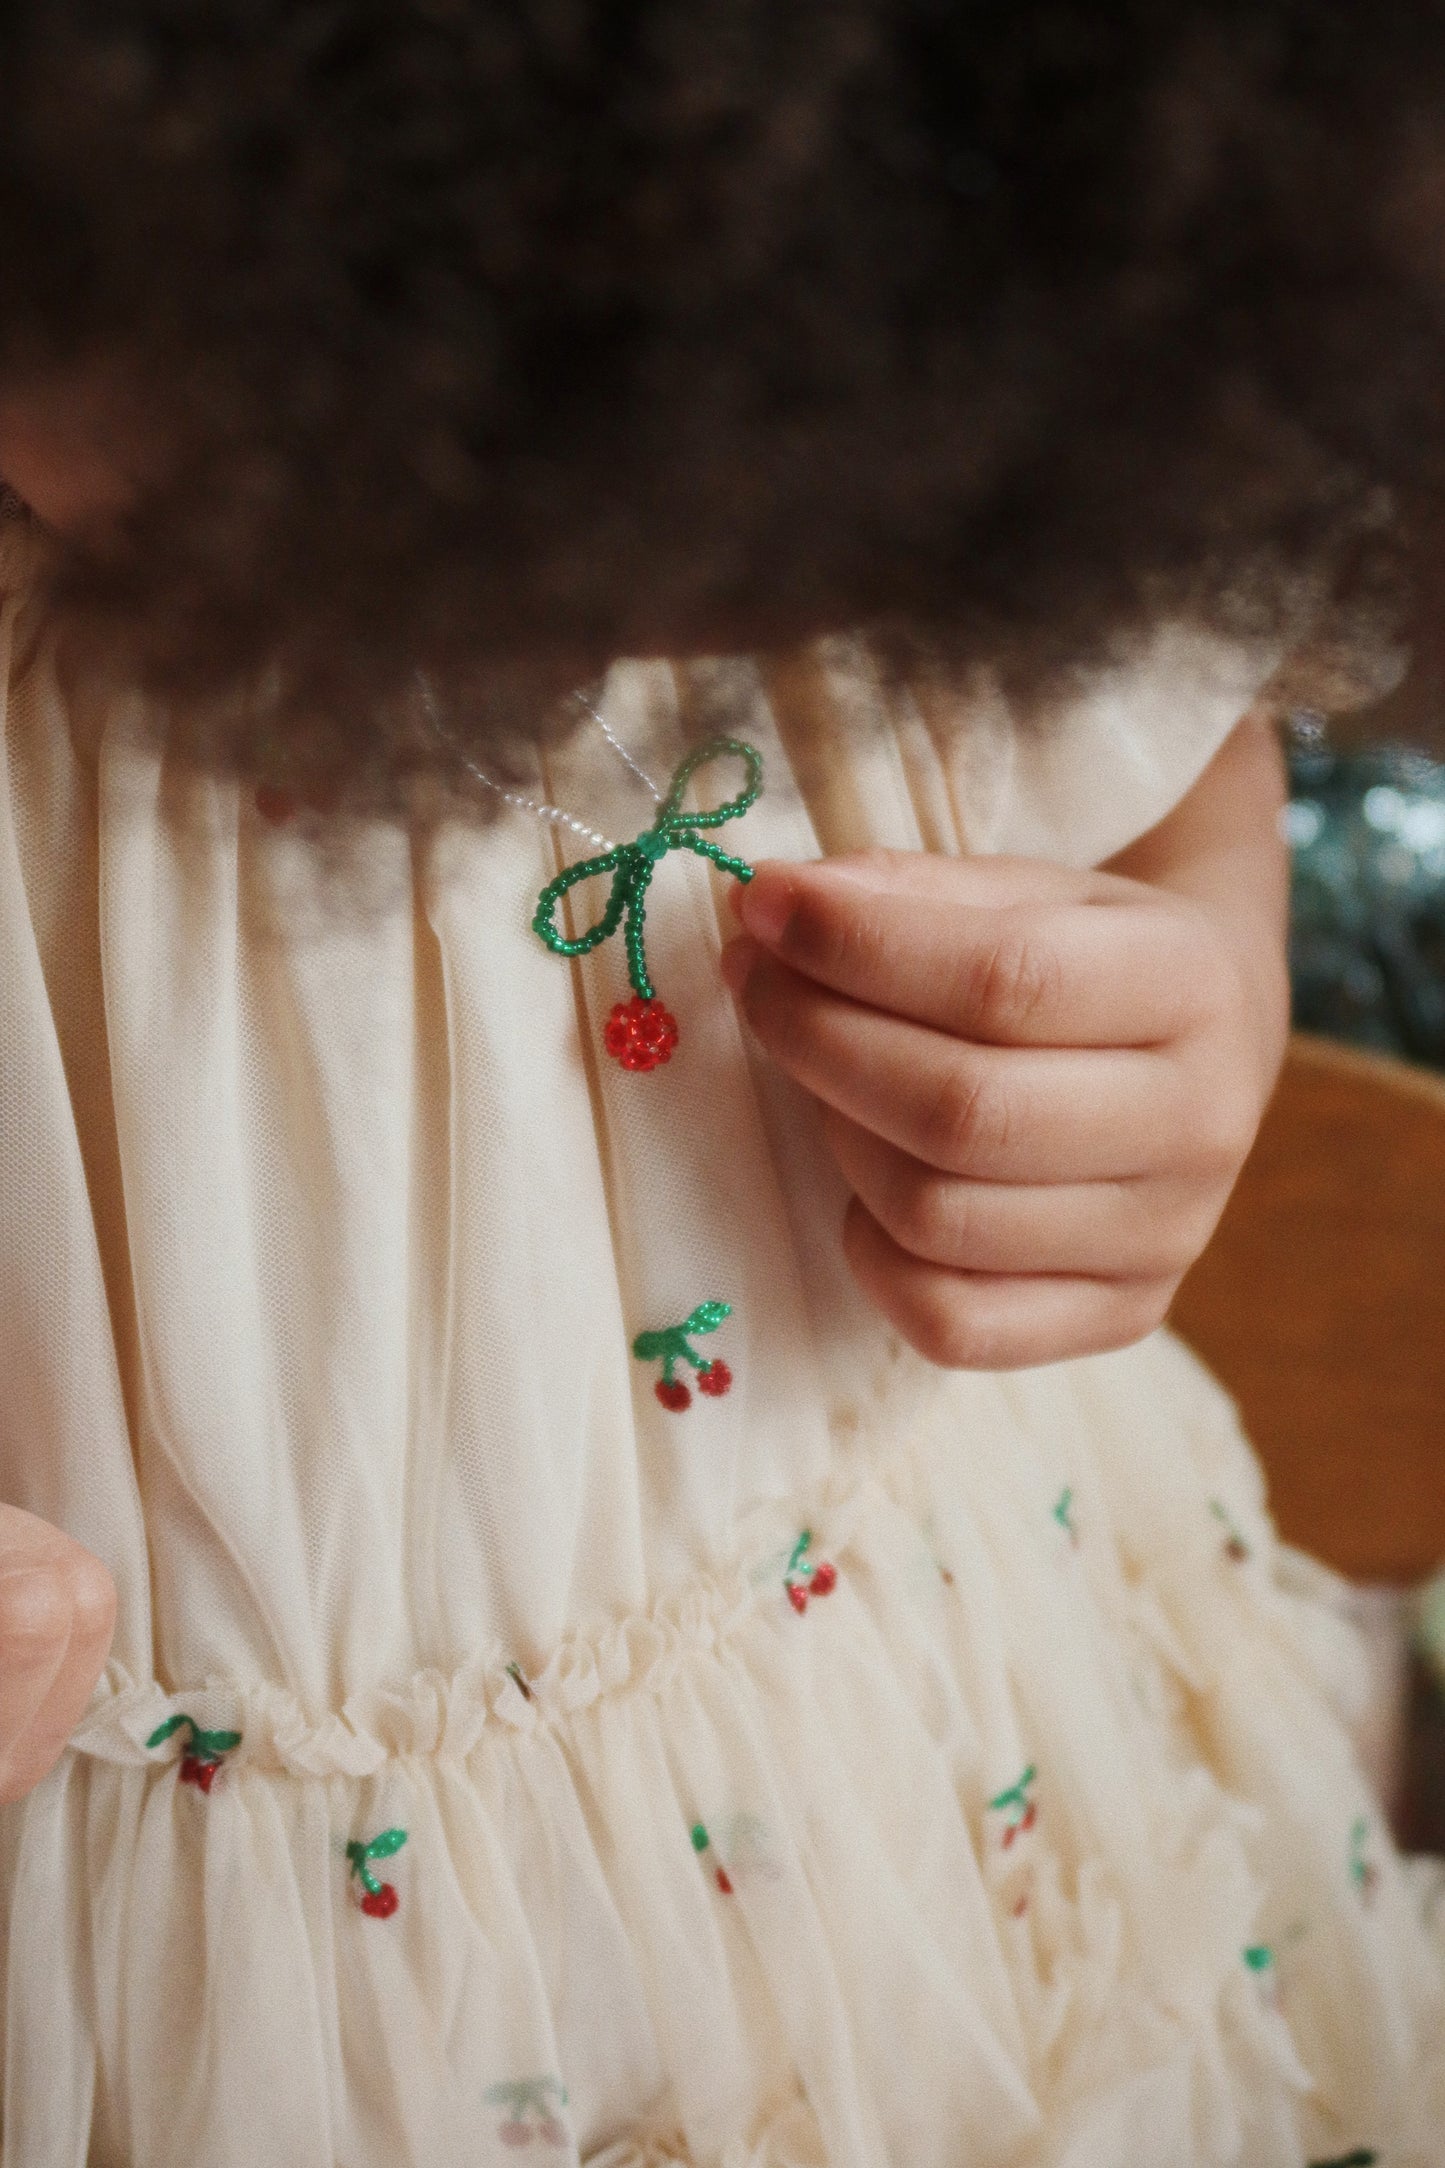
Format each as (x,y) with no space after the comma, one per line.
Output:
(1366,827)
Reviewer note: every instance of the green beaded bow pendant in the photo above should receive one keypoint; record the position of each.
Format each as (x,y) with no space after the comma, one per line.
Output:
(642,1033)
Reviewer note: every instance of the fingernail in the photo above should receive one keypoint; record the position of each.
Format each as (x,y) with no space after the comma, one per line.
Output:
(738,958)
(765,908)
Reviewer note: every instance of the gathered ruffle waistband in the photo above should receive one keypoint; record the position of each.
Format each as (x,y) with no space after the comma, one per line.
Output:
(444,1715)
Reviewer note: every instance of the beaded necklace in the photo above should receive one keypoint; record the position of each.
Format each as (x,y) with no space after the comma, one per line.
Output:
(641,1033)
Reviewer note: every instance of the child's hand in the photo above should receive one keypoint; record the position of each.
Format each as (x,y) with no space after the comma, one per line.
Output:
(1040,1084)
(57,1613)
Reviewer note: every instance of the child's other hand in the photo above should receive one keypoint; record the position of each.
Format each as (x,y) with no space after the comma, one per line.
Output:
(57,1613)
(1040,1085)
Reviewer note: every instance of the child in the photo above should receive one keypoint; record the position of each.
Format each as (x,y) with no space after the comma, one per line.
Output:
(601,1664)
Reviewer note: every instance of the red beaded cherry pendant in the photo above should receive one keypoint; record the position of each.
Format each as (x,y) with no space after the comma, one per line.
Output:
(641,1034)
(201,1773)
(673,1394)
(714,1379)
(379,1904)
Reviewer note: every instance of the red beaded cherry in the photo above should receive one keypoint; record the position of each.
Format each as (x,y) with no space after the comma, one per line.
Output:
(714,1379)
(824,1579)
(673,1394)
(551,2132)
(515,2132)
(723,1883)
(798,1596)
(379,1904)
(640,1034)
(201,1773)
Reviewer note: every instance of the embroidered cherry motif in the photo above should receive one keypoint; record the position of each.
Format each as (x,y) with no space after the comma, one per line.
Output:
(701,1842)
(804,1579)
(641,1034)
(1364,1873)
(379,1899)
(204,1753)
(531,2112)
(1018,1806)
(1235,1547)
(671,1347)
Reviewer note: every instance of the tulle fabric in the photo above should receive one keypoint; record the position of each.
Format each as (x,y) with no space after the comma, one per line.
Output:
(887,1975)
(1035,1839)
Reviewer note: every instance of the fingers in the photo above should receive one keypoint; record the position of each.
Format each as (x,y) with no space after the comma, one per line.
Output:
(1098,1230)
(1002,951)
(1000,1114)
(57,1614)
(982,1321)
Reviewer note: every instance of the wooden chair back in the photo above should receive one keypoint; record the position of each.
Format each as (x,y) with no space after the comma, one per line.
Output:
(1320,1304)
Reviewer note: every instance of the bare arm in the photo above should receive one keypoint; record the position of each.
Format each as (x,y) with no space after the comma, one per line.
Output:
(1222,846)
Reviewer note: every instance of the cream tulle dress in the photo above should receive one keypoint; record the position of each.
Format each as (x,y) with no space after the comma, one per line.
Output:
(860,1767)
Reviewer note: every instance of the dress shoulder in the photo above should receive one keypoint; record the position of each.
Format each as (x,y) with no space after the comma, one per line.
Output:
(1073,784)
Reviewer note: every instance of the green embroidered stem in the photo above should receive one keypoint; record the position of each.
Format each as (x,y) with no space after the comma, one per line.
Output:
(361,1855)
(519,2094)
(1064,1515)
(1016,1805)
(205,1746)
(632,865)
(669,1347)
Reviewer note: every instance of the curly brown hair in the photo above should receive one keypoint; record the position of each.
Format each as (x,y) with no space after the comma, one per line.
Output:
(504,340)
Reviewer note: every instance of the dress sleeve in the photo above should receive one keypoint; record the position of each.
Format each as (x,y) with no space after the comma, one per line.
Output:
(953,767)
(1078,783)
